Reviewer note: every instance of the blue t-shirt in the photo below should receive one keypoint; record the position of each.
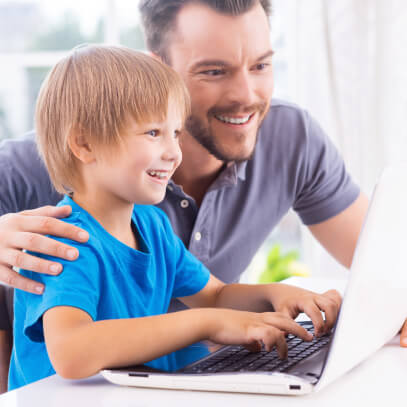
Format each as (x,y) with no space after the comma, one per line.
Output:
(108,281)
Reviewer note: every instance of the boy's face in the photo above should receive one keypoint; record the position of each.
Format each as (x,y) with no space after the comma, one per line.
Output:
(139,171)
(226,63)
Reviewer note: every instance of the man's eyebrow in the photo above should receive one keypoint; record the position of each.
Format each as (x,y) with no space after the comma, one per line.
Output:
(209,63)
(223,64)
(266,55)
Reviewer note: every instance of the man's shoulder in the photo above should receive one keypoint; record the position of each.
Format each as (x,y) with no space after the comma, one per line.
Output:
(14,149)
(283,113)
(24,181)
(288,125)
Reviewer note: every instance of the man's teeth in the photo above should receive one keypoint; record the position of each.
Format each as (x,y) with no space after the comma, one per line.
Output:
(158,174)
(234,120)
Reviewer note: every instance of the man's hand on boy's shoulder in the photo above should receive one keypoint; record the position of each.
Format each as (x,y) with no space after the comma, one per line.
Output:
(25,231)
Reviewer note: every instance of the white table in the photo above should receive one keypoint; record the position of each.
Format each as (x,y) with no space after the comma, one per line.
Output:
(380,379)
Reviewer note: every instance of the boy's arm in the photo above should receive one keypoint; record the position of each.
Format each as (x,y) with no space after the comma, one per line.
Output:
(79,347)
(268,297)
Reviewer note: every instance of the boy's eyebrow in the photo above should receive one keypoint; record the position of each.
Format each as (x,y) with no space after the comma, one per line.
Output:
(223,64)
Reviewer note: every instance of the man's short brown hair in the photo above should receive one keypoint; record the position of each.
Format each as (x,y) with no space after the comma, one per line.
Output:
(92,93)
(159,17)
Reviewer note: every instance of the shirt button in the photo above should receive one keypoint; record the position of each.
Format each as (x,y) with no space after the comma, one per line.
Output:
(170,187)
(184,203)
(198,236)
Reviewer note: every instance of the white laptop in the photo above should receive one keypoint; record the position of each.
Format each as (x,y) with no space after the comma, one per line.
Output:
(373,310)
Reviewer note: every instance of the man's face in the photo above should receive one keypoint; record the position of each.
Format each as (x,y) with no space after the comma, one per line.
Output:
(226,63)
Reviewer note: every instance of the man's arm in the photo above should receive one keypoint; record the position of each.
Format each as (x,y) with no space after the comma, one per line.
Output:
(339,234)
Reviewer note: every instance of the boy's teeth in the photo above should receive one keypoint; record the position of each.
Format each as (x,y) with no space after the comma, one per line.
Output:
(234,120)
(158,174)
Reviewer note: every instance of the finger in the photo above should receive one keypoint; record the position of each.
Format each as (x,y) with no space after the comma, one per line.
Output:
(23,260)
(286,324)
(13,279)
(46,225)
(403,335)
(315,315)
(253,347)
(331,310)
(49,210)
(335,296)
(281,346)
(42,244)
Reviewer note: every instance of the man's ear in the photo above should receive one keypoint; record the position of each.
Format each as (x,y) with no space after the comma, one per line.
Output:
(81,148)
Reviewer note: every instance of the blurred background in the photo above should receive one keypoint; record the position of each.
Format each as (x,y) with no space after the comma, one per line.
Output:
(344,61)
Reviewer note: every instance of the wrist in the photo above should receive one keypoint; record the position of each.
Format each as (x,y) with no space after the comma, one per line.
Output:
(205,321)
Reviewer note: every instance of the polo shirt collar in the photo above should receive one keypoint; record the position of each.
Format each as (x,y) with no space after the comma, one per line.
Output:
(228,176)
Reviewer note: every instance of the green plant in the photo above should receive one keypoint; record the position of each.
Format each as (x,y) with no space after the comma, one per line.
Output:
(281,266)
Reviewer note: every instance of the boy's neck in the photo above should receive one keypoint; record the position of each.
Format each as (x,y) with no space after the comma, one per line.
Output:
(112,214)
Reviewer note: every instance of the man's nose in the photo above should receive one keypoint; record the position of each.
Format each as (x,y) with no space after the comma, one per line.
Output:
(242,89)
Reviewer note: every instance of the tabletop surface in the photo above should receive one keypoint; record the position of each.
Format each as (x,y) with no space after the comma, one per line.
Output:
(379,379)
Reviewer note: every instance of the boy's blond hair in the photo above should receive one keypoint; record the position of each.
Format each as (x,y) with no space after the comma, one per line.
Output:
(92,93)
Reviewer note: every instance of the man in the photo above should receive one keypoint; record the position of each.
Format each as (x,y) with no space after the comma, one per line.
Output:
(245,163)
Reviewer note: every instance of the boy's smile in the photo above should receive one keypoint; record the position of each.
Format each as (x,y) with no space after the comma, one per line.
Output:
(138,170)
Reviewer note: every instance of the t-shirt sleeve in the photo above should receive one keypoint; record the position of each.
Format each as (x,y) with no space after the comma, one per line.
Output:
(4,317)
(77,286)
(191,276)
(324,186)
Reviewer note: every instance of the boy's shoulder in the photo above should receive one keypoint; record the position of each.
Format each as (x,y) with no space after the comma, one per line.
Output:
(150,213)
(152,220)
(81,219)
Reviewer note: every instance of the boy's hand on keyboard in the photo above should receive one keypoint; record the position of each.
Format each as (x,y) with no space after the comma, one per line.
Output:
(230,327)
(292,301)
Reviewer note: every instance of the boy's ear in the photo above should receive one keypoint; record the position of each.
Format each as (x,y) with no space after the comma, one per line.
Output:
(80,148)
(155,56)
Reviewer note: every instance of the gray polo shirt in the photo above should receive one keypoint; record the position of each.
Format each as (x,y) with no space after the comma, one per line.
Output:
(294,165)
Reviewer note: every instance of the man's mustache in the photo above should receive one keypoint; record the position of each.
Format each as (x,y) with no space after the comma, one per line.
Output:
(237,108)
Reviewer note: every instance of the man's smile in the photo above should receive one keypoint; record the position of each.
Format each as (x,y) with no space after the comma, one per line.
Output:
(235,120)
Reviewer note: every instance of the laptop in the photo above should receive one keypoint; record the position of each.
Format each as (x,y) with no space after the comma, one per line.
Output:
(373,310)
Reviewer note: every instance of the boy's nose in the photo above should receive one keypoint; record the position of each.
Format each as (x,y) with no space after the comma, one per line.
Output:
(172,151)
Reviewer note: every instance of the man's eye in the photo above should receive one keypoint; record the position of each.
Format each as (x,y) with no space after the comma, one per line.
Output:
(213,72)
(152,133)
(261,67)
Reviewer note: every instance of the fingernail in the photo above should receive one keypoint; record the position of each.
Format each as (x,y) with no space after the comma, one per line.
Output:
(83,235)
(55,268)
(39,289)
(71,254)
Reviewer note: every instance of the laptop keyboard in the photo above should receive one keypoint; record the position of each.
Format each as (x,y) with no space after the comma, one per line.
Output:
(239,359)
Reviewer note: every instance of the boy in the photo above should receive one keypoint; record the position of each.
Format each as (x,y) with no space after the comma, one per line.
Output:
(107,121)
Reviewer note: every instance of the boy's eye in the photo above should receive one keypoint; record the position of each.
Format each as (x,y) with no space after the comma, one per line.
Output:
(176,133)
(152,133)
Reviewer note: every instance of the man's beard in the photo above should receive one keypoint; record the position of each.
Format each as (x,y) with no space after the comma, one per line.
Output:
(203,134)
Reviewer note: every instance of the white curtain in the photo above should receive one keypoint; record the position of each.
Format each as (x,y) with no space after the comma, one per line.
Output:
(352,76)
(349,67)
